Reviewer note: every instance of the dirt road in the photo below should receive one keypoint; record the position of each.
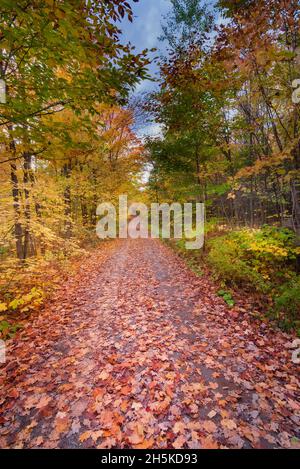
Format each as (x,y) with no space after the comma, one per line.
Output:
(138,352)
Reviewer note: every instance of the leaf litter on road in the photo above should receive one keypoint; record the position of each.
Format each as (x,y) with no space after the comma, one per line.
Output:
(138,352)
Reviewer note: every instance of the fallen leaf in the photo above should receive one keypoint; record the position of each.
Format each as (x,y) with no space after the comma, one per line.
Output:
(147,444)
(179,442)
(209,426)
(179,427)
(208,443)
(84,436)
(43,402)
(229,424)
(104,375)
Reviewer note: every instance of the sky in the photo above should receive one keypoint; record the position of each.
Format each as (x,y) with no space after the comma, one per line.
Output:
(143,33)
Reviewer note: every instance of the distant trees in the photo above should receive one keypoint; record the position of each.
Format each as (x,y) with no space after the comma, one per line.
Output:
(231,130)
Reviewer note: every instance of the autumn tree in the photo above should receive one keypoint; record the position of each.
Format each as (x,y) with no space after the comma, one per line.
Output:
(226,99)
(56,56)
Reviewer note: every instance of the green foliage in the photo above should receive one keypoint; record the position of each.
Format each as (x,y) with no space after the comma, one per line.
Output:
(232,7)
(8,330)
(256,259)
(262,261)
(51,54)
(211,226)
(226,259)
(194,265)
(287,305)
(66,142)
(191,257)
(28,301)
(187,22)
(227,297)
(228,136)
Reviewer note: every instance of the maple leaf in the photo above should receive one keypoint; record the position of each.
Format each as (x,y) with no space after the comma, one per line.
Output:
(179,427)
(104,375)
(124,406)
(137,436)
(85,436)
(126,390)
(106,418)
(78,408)
(160,406)
(229,424)
(38,441)
(14,393)
(75,427)
(135,439)
(43,402)
(62,424)
(209,426)
(208,443)
(107,443)
(136,406)
(66,387)
(147,444)
(213,385)
(169,391)
(194,408)
(96,435)
(179,442)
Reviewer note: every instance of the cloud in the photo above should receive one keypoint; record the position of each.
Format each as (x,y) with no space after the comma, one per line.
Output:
(146,26)
(143,33)
(151,130)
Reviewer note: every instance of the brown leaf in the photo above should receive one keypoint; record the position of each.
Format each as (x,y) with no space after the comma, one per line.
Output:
(179,427)
(85,436)
(137,437)
(209,426)
(14,393)
(147,444)
(179,442)
(208,443)
(62,424)
(229,424)
(43,402)
(104,375)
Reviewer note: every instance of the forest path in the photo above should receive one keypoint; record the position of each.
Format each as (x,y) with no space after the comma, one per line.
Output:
(136,351)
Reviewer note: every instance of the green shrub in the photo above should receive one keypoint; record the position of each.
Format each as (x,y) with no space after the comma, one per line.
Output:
(262,260)
(287,305)
(227,297)
(256,259)
(8,330)
(211,226)
(226,258)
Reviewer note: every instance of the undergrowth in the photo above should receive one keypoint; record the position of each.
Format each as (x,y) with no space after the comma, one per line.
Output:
(257,261)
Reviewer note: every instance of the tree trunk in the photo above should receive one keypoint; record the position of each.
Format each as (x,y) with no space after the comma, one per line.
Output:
(29,242)
(295,195)
(67,199)
(18,229)
(84,212)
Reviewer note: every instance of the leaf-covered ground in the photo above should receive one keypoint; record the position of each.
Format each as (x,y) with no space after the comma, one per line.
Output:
(138,352)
